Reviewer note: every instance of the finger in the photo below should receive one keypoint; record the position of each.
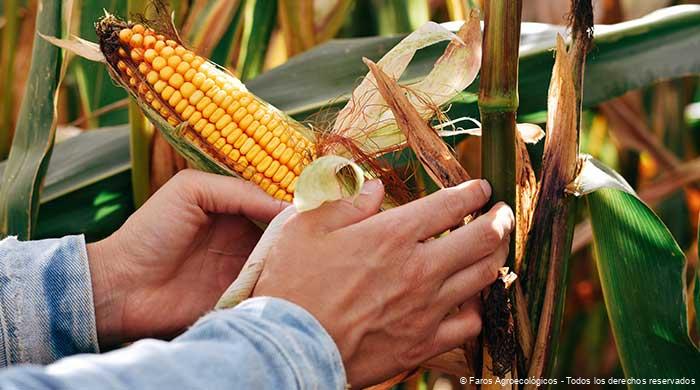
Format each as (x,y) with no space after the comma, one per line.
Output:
(468,282)
(335,215)
(439,211)
(456,329)
(473,241)
(226,195)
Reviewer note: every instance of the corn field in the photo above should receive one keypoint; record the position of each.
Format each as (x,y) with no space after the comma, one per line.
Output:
(584,116)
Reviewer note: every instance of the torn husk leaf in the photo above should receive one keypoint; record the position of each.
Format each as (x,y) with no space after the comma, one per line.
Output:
(76,45)
(595,175)
(326,179)
(372,124)
(434,155)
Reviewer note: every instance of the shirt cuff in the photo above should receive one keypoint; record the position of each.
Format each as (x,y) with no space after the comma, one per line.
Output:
(296,337)
(46,304)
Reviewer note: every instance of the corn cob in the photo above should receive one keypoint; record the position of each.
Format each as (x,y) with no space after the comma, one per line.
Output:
(246,134)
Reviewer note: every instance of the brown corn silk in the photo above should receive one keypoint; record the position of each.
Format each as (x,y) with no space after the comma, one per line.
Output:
(220,116)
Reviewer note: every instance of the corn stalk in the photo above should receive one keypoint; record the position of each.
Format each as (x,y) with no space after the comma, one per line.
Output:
(549,245)
(498,104)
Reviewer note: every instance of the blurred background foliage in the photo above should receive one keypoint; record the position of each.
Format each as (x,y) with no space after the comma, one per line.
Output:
(304,56)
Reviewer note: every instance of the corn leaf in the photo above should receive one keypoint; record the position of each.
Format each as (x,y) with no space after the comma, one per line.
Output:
(642,274)
(34,134)
(207,22)
(91,171)
(259,18)
(631,55)
(95,87)
(400,16)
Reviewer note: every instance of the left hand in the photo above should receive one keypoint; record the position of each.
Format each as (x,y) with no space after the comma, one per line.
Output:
(174,257)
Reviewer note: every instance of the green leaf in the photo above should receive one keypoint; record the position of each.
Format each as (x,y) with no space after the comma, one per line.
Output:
(400,16)
(208,22)
(34,134)
(628,56)
(87,187)
(259,18)
(96,89)
(642,274)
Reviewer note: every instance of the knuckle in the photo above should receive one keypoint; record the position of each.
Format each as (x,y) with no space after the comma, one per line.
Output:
(411,357)
(491,236)
(454,203)
(489,268)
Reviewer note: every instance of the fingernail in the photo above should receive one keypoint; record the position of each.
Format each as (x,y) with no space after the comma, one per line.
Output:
(371,186)
(486,187)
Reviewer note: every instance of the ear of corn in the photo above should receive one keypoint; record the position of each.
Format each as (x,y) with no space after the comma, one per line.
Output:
(220,116)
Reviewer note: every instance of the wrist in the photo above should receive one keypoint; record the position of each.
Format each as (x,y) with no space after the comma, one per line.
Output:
(106,294)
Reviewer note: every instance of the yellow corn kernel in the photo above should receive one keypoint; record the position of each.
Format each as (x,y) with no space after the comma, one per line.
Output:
(175,100)
(234,155)
(159,86)
(125,35)
(181,106)
(218,113)
(279,175)
(189,75)
(272,189)
(199,126)
(280,194)
(152,77)
(149,41)
(203,103)
(167,52)
(242,139)
(182,68)
(232,138)
(264,163)
(272,145)
(166,73)
(208,130)
(187,113)
(247,145)
(167,92)
(223,121)
(245,122)
(176,80)
(270,171)
(228,129)
(173,61)
(195,118)
(209,110)
(136,40)
(159,63)
(196,97)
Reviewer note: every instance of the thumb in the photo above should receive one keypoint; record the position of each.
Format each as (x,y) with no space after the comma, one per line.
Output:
(341,213)
(243,286)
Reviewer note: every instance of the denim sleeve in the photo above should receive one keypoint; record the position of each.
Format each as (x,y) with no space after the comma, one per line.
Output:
(46,305)
(263,343)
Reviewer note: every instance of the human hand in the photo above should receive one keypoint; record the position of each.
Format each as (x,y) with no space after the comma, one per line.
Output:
(172,259)
(380,285)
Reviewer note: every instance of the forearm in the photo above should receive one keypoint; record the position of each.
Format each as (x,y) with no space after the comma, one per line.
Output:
(46,304)
(264,343)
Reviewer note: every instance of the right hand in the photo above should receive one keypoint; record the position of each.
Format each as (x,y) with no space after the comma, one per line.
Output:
(378,283)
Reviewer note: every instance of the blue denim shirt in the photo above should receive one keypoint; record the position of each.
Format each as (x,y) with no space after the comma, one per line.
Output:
(47,314)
